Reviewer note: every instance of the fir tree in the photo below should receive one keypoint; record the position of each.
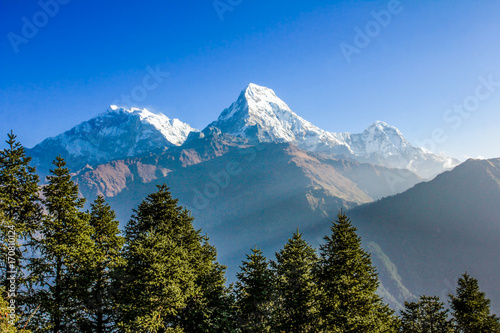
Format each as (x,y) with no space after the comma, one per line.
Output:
(63,245)
(425,316)
(164,255)
(19,189)
(213,309)
(255,291)
(96,272)
(297,293)
(471,308)
(20,207)
(348,283)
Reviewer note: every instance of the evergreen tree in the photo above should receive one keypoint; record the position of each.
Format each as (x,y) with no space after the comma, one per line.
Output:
(164,257)
(255,291)
(297,293)
(96,272)
(213,309)
(471,308)
(63,246)
(348,283)
(19,189)
(21,210)
(425,316)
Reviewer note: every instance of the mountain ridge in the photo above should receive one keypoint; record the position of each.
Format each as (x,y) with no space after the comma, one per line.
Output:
(258,115)
(441,228)
(113,134)
(261,116)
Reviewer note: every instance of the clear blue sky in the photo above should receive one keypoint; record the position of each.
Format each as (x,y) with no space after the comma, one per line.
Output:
(426,59)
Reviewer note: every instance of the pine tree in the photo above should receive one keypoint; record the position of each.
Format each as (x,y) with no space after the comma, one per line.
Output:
(63,245)
(348,283)
(20,209)
(428,315)
(164,255)
(255,291)
(96,272)
(297,293)
(471,308)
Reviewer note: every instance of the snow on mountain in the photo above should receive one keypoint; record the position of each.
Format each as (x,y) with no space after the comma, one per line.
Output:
(116,133)
(259,115)
(174,130)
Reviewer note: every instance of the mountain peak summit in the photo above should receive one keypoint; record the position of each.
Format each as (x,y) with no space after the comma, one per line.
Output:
(253,90)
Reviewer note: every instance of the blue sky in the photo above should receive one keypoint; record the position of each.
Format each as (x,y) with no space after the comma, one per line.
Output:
(417,67)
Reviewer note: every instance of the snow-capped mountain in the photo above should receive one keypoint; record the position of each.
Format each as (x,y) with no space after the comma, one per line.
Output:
(116,133)
(259,115)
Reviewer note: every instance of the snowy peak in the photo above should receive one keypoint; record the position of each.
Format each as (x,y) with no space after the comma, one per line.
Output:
(174,130)
(384,139)
(260,115)
(116,133)
(255,102)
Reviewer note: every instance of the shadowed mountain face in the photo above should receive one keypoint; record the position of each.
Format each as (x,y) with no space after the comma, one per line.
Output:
(437,230)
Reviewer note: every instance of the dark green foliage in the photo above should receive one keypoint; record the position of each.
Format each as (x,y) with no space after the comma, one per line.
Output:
(425,316)
(20,211)
(64,246)
(168,264)
(255,294)
(348,283)
(213,310)
(471,308)
(297,293)
(19,190)
(97,269)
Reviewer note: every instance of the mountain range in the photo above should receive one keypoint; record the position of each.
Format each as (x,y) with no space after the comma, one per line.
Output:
(258,115)
(260,171)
